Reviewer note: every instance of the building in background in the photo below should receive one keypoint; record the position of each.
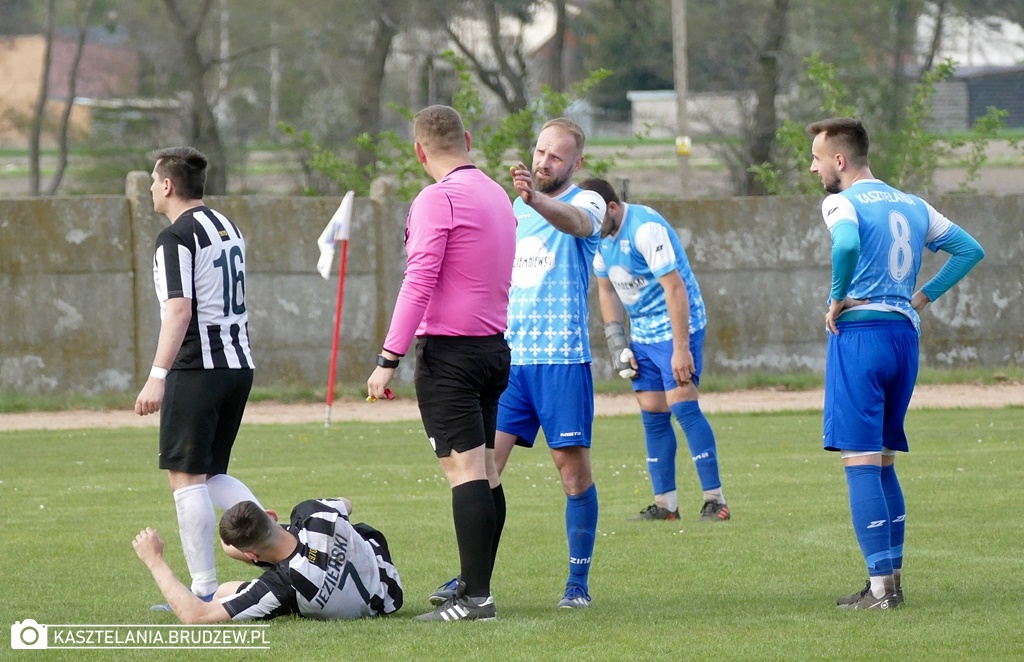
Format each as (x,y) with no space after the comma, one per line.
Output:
(106,103)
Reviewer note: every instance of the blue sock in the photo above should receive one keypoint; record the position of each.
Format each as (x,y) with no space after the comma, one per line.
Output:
(870,517)
(581,529)
(897,513)
(661,450)
(701,440)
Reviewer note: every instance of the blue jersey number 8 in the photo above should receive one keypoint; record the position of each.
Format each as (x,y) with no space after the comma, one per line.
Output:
(901,254)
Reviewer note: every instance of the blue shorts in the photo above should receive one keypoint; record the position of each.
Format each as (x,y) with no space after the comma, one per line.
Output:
(870,371)
(655,361)
(557,398)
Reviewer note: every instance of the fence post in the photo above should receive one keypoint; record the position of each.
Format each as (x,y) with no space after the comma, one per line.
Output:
(382,192)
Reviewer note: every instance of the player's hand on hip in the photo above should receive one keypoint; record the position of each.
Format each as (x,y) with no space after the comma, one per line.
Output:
(835,309)
(522,179)
(148,545)
(150,397)
(377,384)
(919,301)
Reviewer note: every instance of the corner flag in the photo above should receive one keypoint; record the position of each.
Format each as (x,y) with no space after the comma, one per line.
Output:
(337,229)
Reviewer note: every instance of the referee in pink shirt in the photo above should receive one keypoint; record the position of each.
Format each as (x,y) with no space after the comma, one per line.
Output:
(460,241)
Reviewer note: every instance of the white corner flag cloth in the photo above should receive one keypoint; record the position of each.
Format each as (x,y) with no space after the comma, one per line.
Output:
(337,230)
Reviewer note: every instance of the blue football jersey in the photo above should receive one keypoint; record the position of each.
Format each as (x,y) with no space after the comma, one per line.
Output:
(894,229)
(547,308)
(644,249)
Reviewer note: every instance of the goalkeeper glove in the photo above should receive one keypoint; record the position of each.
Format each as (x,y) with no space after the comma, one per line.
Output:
(618,346)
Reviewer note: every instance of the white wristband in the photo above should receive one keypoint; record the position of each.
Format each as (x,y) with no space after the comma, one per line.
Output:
(158,372)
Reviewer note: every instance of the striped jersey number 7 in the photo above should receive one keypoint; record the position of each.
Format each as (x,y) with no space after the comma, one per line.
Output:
(232,267)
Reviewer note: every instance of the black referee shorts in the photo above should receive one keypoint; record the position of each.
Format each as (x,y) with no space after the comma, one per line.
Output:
(199,418)
(458,383)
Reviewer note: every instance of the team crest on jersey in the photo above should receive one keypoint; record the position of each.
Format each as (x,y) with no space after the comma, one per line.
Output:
(624,246)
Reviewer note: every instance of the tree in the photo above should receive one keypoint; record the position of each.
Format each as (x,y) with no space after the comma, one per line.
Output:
(39,114)
(632,39)
(84,15)
(761,136)
(556,73)
(501,66)
(204,133)
(40,109)
(906,157)
(384,25)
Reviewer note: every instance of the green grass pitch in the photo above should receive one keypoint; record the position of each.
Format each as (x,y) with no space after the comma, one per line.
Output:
(760,587)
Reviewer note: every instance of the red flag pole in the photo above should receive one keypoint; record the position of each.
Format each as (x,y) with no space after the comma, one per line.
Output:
(337,332)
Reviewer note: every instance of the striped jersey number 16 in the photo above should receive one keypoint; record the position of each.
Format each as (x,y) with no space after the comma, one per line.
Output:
(232,267)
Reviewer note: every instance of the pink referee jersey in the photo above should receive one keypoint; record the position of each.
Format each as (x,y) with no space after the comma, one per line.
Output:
(460,241)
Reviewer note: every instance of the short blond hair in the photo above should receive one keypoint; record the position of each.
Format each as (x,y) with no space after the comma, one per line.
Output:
(570,127)
(439,129)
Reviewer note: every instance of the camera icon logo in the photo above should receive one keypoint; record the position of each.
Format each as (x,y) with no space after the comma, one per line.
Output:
(28,634)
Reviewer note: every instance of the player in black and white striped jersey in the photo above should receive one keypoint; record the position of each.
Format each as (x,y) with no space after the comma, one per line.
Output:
(320,566)
(203,369)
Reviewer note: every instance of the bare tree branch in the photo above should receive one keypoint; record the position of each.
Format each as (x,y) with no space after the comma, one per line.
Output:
(936,43)
(40,109)
(515,79)
(557,71)
(766,89)
(205,133)
(385,27)
(62,160)
(487,76)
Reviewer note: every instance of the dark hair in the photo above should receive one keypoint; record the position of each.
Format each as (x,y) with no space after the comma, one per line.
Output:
(439,128)
(246,526)
(185,167)
(846,134)
(602,188)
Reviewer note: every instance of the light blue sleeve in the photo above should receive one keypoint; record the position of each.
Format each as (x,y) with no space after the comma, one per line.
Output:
(965,252)
(845,253)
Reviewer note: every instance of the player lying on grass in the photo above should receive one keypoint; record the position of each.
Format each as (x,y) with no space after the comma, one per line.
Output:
(318,566)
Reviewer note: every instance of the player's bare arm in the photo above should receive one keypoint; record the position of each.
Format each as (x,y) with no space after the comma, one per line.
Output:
(563,216)
(177,316)
(187,606)
(678,303)
(611,306)
(919,300)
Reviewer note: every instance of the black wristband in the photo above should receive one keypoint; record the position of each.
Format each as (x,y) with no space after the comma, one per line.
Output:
(386,363)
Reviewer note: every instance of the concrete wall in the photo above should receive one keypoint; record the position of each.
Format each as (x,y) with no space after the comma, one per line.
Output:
(78,312)
(762,264)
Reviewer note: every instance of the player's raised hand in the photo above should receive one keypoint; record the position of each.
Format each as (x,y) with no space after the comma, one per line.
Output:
(522,179)
(148,545)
